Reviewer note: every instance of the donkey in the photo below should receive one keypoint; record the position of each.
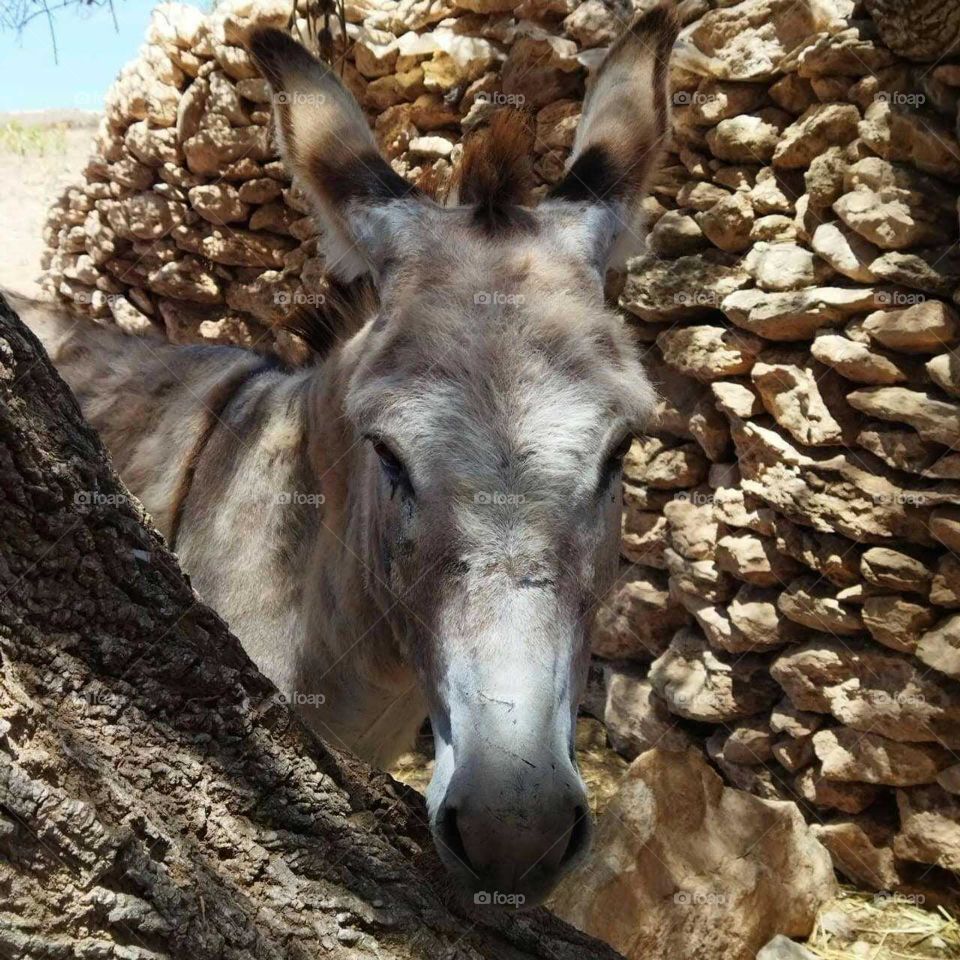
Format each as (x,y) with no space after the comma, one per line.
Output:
(423,522)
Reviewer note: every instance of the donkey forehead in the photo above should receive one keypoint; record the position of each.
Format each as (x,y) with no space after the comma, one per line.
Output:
(500,374)
(453,250)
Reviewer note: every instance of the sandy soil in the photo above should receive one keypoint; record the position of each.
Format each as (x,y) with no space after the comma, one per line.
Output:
(33,172)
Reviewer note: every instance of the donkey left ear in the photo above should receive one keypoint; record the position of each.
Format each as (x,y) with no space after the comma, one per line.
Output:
(623,128)
(362,201)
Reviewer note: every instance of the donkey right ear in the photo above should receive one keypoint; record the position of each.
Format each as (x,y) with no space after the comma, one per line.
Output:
(363,204)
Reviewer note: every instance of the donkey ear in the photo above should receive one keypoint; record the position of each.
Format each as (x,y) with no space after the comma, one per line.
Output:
(327,145)
(618,142)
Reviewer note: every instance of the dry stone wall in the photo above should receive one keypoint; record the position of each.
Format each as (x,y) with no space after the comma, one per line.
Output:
(790,596)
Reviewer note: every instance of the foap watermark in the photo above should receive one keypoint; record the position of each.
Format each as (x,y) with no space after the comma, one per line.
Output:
(907,899)
(97,697)
(498,498)
(899,99)
(300,98)
(499,99)
(899,298)
(487,298)
(494,898)
(94,498)
(687,98)
(900,699)
(697,497)
(300,698)
(901,498)
(97,298)
(298,298)
(697,298)
(296,498)
(699,898)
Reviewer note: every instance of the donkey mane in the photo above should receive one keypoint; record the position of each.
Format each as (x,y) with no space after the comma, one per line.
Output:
(345,307)
(495,175)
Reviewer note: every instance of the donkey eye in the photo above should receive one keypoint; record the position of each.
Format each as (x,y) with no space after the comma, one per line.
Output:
(614,461)
(392,465)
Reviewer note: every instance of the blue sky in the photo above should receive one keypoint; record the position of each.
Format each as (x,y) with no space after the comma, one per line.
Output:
(91,51)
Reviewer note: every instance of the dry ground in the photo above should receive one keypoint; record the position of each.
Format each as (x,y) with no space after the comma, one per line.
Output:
(40,154)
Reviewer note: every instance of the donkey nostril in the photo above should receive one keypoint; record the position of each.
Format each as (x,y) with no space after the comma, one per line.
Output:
(451,838)
(579,835)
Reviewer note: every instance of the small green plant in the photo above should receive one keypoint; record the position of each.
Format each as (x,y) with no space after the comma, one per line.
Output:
(35,140)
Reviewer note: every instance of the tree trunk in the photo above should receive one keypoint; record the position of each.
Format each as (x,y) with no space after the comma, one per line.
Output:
(156,797)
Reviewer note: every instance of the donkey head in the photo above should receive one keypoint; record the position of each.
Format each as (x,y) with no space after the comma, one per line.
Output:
(498,396)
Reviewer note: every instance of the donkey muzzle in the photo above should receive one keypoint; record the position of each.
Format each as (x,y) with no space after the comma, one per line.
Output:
(510,829)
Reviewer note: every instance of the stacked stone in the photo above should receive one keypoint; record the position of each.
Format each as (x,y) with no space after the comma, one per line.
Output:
(790,595)
(797,509)
(186,223)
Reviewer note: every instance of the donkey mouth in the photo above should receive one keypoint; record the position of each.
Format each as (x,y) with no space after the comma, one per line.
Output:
(511,863)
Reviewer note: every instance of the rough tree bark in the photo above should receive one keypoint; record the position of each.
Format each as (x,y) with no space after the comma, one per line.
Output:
(156,799)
